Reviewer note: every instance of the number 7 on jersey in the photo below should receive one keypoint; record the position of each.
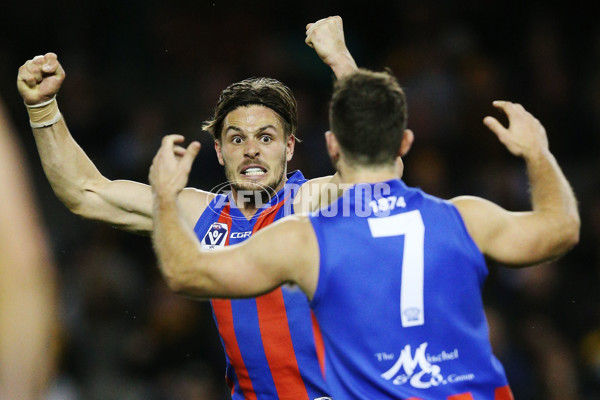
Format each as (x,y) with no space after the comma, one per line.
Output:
(409,224)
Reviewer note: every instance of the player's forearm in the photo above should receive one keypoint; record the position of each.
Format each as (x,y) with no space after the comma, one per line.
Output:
(553,199)
(69,170)
(343,64)
(84,190)
(176,248)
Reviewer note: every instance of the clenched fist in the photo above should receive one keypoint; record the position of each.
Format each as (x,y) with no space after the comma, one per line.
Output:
(326,36)
(40,78)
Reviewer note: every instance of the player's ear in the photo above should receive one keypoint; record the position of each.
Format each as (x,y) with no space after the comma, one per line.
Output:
(407,140)
(333,146)
(290,145)
(218,150)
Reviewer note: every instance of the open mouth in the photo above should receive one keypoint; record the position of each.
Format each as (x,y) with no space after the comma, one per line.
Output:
(253,170)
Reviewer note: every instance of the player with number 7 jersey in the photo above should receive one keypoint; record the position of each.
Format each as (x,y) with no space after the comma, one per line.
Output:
(431,340)
(394,276)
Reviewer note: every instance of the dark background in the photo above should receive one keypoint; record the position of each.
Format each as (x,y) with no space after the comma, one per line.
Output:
(137,70)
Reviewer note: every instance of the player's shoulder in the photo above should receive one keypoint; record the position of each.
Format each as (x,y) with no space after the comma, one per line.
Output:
(296,228)
(193,202)
(310,195)
(417,197)
(193,195)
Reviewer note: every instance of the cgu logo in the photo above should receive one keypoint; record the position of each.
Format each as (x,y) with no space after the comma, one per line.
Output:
(423,377)
(240,235)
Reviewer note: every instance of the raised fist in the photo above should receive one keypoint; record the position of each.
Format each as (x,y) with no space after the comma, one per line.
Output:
(326,36)
(40,78)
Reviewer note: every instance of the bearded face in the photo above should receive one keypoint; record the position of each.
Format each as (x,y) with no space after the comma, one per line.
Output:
(254,151)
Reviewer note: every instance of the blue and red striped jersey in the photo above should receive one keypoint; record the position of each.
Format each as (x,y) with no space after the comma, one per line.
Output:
(269,341)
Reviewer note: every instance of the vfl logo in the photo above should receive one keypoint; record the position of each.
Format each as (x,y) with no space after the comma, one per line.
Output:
(216,236)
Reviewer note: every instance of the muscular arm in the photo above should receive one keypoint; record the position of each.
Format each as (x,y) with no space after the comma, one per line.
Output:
(73,176)
(326,37)
(27,281)
(260,264)
(84,190)
(552,226)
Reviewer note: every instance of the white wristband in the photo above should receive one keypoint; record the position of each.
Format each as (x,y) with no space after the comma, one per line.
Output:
(46,123)
(40,105)
(43,114)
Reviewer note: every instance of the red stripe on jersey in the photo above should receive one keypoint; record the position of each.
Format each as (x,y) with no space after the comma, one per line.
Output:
(414,398)
(275,331)
(225,218)
(224,316)
(503,393)
(278,346)
(462,396)
(267,216)
(319,344)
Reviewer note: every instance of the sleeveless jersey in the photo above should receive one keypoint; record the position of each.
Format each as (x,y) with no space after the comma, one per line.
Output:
(269,341)
(398,299)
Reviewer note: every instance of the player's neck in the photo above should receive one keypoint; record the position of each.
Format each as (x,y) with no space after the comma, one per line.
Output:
(355,175)
(368,177)
(248,210)
(250,203)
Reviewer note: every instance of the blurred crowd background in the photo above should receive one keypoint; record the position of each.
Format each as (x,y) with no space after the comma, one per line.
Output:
(137,70)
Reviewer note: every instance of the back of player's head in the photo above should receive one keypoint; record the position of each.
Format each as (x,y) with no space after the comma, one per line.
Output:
(368,115)
(266,92)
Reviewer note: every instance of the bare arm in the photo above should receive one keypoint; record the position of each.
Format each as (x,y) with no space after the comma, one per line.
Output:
(552,226)
(257,266)
(27,281)
(73,176)
(326,36)
(318,193)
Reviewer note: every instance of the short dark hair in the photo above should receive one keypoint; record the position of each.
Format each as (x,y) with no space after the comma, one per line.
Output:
(367,114)
(266,92)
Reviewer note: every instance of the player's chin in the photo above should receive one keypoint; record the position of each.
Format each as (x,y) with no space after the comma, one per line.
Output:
(262,183)
(251,186)
(252,183)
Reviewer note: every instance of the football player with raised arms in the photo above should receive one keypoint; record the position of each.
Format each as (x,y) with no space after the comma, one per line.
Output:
(269,341)
(395,276)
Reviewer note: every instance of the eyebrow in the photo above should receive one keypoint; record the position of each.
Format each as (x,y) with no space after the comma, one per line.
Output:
(261,129)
